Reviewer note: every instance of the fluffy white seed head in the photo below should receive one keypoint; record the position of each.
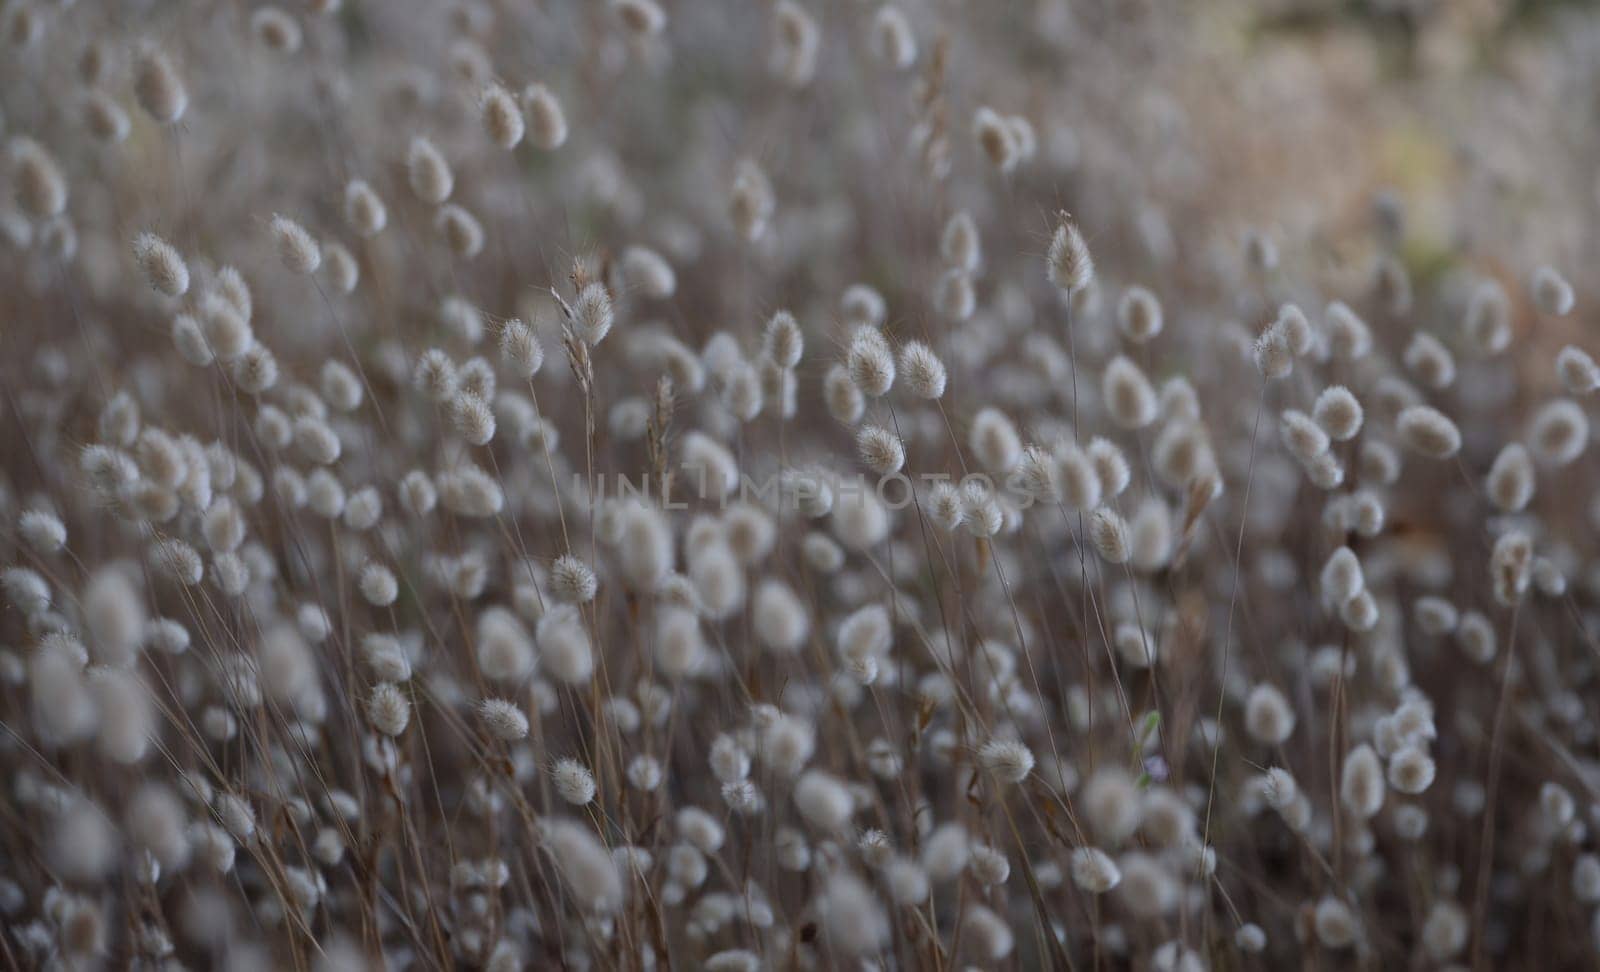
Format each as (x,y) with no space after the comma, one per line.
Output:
(1556,804)
(945,507)
(988,933)
(43,531)
(1476,637)
(1094,871)
(645,773)
(994,440)
(565,650)
(64,710)
(997,138)
(959,244)
(573,781)
(158,88)
(162,265)
(1342,578)
(1360,613)
(427,172)
(84,844)
(1010,761)
(1361,786)
(1250,939)
(1367,513)
(646,547)
(1148,889)
(588,871)
(880,449)
(1435,615)
(572,580)
(854,921)
(256,370)
(1511,478)
(1111,466)
(1272,351)
(824,801)
(892,38)
(1139,315)
(1429,432)
(844,399)
(341,387)
(1511,566)
(1430,361)
(1130,399)
(417,493)
(1577,370)
(1551,292)
(222,329)
(593,314)
(954,296)
(989,866)
(105,118)
(781,619)
(364,209)
(1559,432)
(711,469)
(750,201)
(1108,531)
(1487,325)
(297,248)
(316,441)
(460,230)
(1445,931)
(521,348)
(1077,479)
(1268,716)
(1391,285)
(177,560)
(946,852)
(1349,338)
(1110,803)
(275,30)
(870,363)
(1303,436)
(680,644)
(1296,330)
(923,371)
(127,715)
(860,520)
(729,760)
(378,585)
(472,418)
(502,116)
(1036,475)
(1411,770)
(1338,412)
(40,188)
(1067,262)
(862,304)
(505,650)
(1335,924)
(796,39)
(339,267)
(1278,788)
(388,709)
(1260,252)
(547,122)
(647,273)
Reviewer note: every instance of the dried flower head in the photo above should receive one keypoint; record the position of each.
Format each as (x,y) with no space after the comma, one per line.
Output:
(1068,262)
